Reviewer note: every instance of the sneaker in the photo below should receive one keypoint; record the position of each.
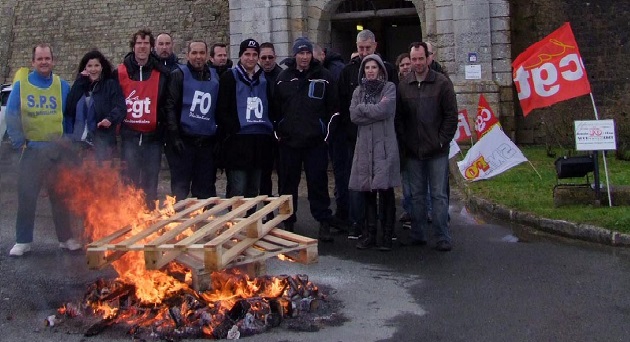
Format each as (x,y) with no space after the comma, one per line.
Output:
(19,249)
(443,246)
(355,232)
(394,236)
(406,225)
(71,245)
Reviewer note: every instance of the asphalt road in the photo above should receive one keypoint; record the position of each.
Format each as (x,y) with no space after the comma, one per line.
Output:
(489,288)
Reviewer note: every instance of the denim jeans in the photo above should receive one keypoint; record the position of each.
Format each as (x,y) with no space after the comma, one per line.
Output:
(406,190)
(424,174)
(243,182)
(193,171)
(37,169)
(142,165)
(315,161)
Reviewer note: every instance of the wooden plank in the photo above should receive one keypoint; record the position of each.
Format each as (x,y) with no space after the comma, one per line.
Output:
(268,246)
(283,234)
(160,224)
(235,229)
(257,230)
(186,224)
(216,224)
(110,238)
(279,241)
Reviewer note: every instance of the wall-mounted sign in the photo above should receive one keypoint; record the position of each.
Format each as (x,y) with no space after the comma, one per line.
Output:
(472,57)
(595,135)
(472,71)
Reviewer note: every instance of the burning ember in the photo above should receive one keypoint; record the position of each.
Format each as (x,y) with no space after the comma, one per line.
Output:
(161,303)
(238,305)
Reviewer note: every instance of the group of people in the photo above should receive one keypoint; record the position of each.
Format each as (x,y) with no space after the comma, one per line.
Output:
(207,114)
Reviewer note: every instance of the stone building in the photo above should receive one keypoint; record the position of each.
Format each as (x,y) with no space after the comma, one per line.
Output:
(486,33)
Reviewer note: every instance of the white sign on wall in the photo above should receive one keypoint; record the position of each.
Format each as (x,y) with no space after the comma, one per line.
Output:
(472,72)
(595,135)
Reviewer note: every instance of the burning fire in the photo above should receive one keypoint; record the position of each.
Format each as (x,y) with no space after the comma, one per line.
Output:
(145,298)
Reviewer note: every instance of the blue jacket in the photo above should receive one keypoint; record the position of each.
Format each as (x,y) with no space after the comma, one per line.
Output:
(14,105)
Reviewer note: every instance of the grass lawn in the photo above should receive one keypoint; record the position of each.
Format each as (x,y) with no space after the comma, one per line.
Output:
(521,188)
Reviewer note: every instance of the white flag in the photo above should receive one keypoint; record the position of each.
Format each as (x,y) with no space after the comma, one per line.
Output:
(453,149)
(491,155)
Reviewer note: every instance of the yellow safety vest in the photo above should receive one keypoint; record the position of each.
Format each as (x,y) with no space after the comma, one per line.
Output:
(41,108)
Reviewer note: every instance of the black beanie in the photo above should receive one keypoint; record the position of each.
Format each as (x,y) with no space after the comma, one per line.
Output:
(302,44)
(248,44)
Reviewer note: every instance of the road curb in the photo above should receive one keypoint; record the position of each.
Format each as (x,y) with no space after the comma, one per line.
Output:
(573,230)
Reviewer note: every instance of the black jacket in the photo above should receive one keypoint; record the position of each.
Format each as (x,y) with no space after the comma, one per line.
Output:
(173,103)
(134,70)
(348,81)
(221,69)
(304,103)
(109,102)
(240,151)
(171,62)
(426,115)
(334,63)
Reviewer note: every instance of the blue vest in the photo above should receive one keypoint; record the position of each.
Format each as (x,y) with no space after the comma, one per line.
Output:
(252,106)
(199,101)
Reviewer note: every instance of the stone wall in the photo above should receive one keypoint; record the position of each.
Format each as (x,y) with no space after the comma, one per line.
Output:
(602,32)
(73,27)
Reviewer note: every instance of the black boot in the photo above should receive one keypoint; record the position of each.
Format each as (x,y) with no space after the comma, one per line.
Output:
(324,232)
(368,238)
(387,203)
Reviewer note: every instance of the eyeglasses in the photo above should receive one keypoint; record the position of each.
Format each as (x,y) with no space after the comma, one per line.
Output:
(264,58)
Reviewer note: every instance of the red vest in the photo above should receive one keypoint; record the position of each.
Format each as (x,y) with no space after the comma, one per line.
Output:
(141,99)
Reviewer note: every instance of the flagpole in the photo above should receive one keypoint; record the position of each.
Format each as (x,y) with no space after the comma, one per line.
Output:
(532,165)
(603,158)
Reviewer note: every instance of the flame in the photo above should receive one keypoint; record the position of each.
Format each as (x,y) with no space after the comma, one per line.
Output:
(106,204)
(235,285)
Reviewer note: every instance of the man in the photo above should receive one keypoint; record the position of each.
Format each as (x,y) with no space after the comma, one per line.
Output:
(268,61)
(219,58)
(34,123)
(164,51)
(243,118)
(433,64)
(190,104)
(330,60)
(271,70)
(426,120)
(143,81)
(343,139)
(304,103)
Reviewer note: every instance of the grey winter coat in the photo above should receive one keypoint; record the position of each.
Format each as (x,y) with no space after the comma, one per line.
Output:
(376,162)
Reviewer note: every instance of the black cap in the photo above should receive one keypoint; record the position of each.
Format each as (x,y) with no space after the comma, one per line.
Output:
(248,44)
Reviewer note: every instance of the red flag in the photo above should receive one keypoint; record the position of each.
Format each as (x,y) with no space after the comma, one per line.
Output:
(463,127)
(485,117)
(550,71)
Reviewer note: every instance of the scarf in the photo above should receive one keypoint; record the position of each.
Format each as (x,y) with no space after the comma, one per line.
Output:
(372,90)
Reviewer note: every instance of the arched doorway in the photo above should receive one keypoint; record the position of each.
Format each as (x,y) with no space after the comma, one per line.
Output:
(394,22)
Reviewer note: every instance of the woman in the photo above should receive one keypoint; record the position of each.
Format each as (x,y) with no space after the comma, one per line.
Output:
(95,106)
(376,164)
(403,65)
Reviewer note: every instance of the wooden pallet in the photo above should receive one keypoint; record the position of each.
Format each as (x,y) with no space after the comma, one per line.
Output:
(220,237)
